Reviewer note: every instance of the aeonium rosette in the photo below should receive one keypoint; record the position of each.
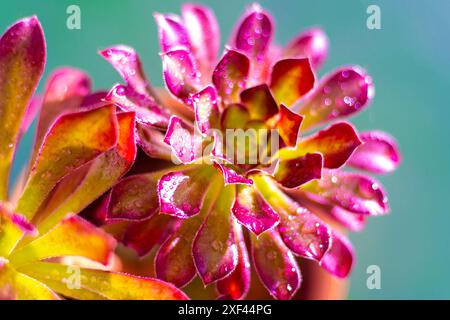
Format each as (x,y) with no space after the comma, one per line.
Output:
(280,187)
(82,147)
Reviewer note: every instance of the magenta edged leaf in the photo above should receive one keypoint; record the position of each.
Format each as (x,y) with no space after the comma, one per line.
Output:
(288,125)
(252,211)
(180,74)
(275,265)
(186,145)
(292,173)
(230,175)
(379,153)
(311,44)
(22,61)
(214,249)
(172,33)
(236,285)
(259,102)
(339,259)
(204,36)
(230,75)
(207,115)
(340,94)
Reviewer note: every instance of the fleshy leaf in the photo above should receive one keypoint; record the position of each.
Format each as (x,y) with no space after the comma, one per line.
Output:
(204,35)
(152,142)
(73,140)
(353,192)
(378,154)
(311,44)
(172,33)
(71,237)
(252,211)
(214,249)
(339,259)
(134,198)
(230,75)
(64,92)
(206,108)
(259,102)
(340,94)
(174,262)
(101,175)
(22,60)
(292,173)
(110,285)
(180,74)
(336,143)
(230,176)
(12,227)
(146,109)
(291,79)
(126,61)
(275,265)
(235,116)
(186,145)
(181,193)
(288,125)
(254,33)
(300,230)
(236,285)
(18,286)
(143,236)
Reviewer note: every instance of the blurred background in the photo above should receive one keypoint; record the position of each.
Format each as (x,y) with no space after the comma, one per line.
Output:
(409,60)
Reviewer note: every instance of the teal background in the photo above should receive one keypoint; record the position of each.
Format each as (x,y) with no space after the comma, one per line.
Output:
(409,61)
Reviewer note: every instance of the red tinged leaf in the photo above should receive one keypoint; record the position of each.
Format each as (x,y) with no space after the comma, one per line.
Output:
(339,259)
(379,153)
(236,285)
(152,142)
(207,115)
(259,102)
(342,93)
(252,211)
(172,33)
(126,61)
(230,75)
(214,248)
(290,80)
(22,60)
(275,265)
(351,191)
(180,74)
(293,173)
(181,193)
(336,143)
(73,140)
(202,28)
(230,176)
(288,125)
(254,33)
(311,44)
(103,284)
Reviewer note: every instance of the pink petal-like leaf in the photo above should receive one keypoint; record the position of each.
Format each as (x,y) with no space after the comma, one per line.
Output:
(143,236)
(275,265)
(181,193)
(230,176)
(207,115)
(186,145)
(292,173)
(311,44)
(172,33)
(230,75)
(378,154)
(214,249)
(252,211)
(152,142)
(339,259)
(204,35)
(236,285)
(180,74)
(22,60)
(340,94)
(353,192)
(291,79)
(254,33)
(259,102)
